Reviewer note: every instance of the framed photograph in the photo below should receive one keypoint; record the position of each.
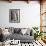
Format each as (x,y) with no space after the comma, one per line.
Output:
(14,15)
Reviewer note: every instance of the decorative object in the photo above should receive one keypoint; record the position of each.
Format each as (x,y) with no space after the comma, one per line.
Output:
(37,34)
(14,15)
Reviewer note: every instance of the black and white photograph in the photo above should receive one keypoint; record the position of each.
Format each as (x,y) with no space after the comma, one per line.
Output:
(14,15)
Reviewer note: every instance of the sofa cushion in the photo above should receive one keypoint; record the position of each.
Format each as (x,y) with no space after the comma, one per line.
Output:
(17,30)
(24,30)
(11,30)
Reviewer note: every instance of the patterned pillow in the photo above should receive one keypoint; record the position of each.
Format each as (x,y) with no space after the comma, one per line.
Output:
(11,30)
(17,30)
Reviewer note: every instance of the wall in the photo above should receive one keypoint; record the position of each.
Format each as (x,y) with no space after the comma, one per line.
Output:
(29,14)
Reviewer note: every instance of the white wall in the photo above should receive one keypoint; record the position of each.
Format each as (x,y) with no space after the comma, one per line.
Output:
(29,14)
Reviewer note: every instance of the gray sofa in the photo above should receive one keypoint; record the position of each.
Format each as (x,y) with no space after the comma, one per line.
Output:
(17,35)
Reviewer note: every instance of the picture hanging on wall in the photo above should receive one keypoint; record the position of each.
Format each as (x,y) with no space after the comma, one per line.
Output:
(14,15)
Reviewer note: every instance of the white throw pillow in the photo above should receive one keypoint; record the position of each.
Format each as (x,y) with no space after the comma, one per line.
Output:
(5,32)
(23,31)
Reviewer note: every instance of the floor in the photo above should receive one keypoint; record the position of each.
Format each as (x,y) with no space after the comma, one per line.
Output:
(35,43)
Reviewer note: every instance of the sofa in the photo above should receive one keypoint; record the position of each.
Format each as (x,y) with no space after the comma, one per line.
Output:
(22,34)
(17,34)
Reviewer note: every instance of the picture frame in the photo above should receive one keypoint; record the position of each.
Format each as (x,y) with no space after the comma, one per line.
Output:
(14,15)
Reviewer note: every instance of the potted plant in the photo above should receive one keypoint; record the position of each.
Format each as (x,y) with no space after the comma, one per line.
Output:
(37,33)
